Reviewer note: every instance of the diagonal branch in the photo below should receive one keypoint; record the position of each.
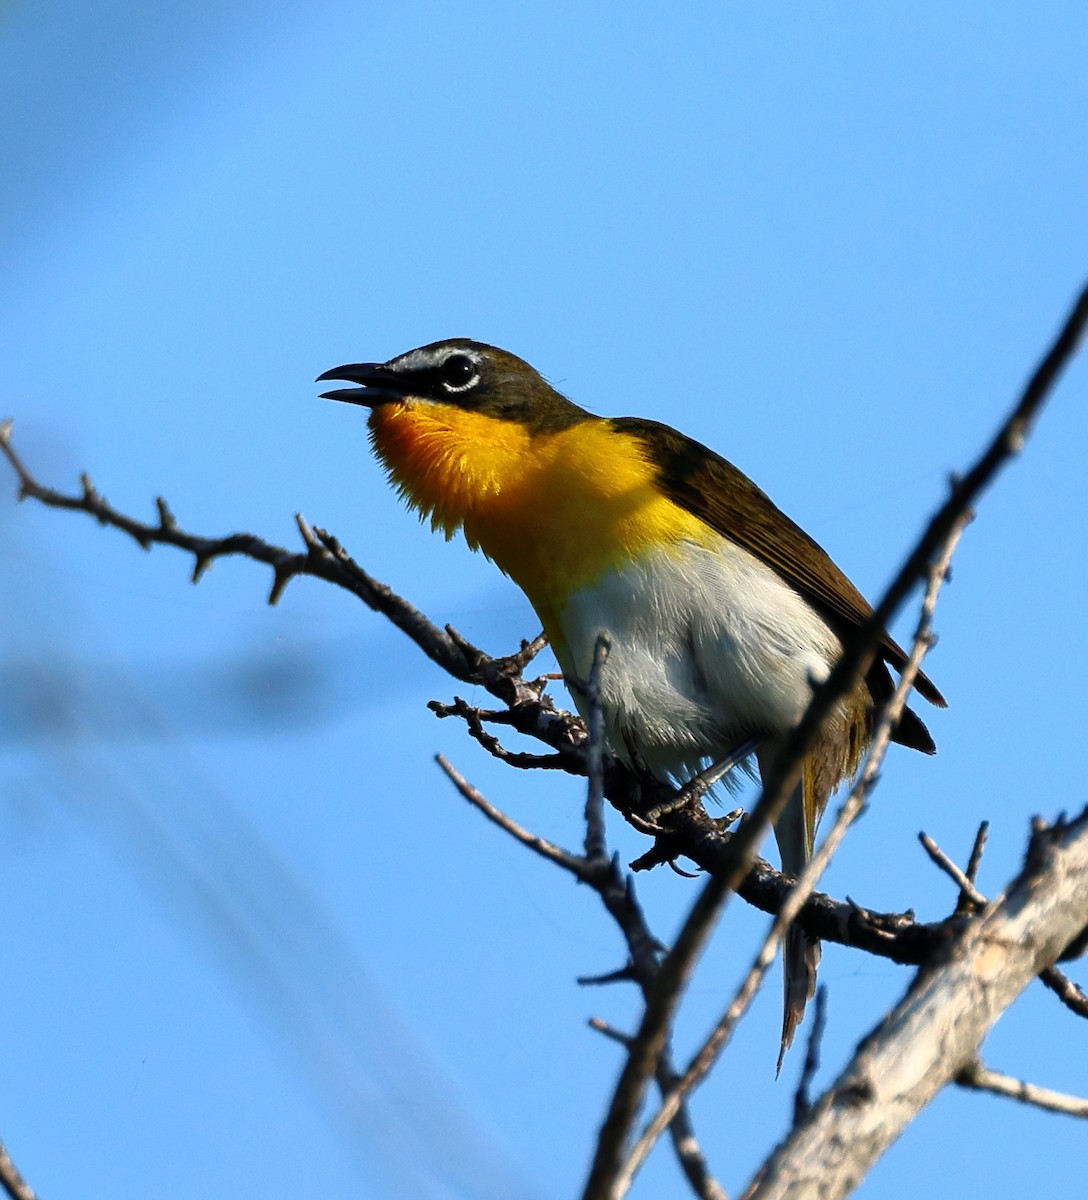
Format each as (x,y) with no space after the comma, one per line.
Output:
(856,658)
(323,558)
(602,873)
(945,1013)
(719,1038)
(12,1182)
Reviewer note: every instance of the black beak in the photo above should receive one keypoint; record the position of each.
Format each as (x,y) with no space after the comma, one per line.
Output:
(377,384)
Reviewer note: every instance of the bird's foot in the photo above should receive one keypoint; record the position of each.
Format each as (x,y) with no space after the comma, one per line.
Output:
(697,787)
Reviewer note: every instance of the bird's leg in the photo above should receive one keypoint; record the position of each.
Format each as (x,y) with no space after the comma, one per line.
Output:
(698,786)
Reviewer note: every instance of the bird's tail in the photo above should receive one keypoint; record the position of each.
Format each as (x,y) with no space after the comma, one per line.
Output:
(795,833)
(800,958)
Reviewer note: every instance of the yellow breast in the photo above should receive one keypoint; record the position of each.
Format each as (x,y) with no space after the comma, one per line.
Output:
(554,510)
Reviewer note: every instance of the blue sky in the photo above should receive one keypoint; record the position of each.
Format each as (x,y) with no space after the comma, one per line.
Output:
(254,943)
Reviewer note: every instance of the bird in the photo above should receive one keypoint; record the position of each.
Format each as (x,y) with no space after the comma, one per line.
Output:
(721,613)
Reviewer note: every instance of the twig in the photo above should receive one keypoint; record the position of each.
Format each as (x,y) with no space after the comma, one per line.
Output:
(535,717)
(1066,990)
(958,877)
(474,718)
(971,900)
(618,894)
(963,905)
(625,974)
(549,850)
(981,1078)
(801,1100)
(609,1031)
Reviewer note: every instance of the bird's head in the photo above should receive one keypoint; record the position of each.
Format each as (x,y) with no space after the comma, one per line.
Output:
(462,374)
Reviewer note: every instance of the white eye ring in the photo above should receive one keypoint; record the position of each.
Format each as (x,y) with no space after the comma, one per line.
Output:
(459,362)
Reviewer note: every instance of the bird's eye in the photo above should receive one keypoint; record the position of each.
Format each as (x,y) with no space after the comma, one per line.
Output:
(458,373)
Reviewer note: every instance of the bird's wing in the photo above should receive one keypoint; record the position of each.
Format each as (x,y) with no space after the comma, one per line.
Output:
(714,490)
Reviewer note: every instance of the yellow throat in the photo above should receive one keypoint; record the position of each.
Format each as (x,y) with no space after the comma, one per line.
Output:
(555,510)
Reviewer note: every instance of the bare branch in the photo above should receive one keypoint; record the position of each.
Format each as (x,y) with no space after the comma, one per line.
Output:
(618,894)
(474,719)
(971,900)
(855,660)
(10,1179)
(646,1048)
(968,891)
(981,1078)
(687,1148)
(801,1101)
(609,1031)
(549,850)
(943,1017)
(1066,990)
(963,905)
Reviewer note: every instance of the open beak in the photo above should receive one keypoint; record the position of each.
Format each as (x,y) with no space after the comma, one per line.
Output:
(377,384)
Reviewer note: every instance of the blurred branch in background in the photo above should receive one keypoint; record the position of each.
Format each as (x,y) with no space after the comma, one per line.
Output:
(92,736)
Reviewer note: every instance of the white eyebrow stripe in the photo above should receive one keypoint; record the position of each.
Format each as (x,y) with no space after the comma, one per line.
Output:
(428,357)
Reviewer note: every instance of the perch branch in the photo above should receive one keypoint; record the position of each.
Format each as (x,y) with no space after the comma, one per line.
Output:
(853,663)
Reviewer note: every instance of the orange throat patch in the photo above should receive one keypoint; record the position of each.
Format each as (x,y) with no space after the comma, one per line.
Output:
(554,510)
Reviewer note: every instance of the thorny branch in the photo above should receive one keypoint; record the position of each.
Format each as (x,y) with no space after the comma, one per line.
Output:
(602,873)
(782,777)
(323,558)
(691,833)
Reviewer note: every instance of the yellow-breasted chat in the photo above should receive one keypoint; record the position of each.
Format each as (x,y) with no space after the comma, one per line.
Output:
(721,612)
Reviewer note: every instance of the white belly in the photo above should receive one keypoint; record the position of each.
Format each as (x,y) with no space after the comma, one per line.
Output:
(709,648)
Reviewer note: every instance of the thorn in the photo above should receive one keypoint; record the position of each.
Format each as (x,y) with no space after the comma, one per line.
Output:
(527,652)
(281,578)
(624,974)
(609,1031)
(91,498)
(329,542)
(167,521)
(307,534)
